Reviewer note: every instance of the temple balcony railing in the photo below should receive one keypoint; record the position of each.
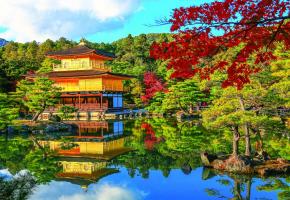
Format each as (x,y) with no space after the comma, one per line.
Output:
(61,67)
(80,107)
(94,88)
(113,88)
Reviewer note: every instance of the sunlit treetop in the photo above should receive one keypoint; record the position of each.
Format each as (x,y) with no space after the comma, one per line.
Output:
(204,31)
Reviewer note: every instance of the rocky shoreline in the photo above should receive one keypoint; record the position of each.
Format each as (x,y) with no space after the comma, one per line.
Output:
(246,165)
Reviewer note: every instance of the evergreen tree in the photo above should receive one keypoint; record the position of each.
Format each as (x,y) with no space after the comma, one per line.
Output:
(38,95)
(184,95)
(8,111)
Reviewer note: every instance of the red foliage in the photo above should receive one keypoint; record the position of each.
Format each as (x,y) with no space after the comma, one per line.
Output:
(205,30)
(150,138)
(152,85)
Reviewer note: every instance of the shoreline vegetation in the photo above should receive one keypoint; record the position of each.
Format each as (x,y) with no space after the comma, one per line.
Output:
(261,107)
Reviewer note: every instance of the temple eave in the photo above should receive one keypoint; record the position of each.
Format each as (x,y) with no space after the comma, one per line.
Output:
(74,56)
(87,74)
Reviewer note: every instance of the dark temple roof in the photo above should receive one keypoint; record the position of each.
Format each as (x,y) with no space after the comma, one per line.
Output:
(83,73)
(80,50)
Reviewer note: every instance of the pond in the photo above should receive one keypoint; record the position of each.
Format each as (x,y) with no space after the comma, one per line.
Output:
(132,159)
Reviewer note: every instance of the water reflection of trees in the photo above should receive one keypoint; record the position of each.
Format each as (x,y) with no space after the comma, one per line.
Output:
(175,146)
(275,183)
(180,148)
(17,188)
(20,153)
(240,186)
(13,152)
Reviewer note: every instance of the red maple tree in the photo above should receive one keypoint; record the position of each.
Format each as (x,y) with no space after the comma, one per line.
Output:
(152,85)
(203,31)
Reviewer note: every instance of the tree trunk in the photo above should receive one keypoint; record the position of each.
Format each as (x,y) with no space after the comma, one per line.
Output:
(35,117)
(246,130)
(190,109)
(6,141)
(183,109)
(235,147)
(249,185)
(197,107)
(236,137)
(247,140)
(259,143)
(43,107)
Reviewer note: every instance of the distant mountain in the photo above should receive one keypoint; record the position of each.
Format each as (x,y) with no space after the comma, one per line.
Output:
(2,42)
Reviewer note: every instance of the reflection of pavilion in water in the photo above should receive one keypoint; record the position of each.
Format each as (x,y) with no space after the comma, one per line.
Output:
(93,146)
(83,171)
(99,129)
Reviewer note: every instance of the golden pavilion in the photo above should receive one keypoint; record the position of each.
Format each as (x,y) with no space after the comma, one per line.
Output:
(87,82)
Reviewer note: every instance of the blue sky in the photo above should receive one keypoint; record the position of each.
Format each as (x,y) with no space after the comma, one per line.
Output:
(136,24)
(96,20)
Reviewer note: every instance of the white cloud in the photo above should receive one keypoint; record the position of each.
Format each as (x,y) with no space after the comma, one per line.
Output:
(104,192)
(27,20)
(4,173)
(99,191)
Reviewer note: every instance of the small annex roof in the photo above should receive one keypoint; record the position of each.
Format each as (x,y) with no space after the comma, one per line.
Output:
(86,73)
(79,50)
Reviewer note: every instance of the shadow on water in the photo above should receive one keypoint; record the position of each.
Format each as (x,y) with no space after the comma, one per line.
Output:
(89,154)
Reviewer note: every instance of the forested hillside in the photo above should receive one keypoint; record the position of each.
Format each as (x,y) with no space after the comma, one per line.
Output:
(16,59)
(132,53)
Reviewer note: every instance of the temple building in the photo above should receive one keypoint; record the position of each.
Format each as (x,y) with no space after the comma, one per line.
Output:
(87,82)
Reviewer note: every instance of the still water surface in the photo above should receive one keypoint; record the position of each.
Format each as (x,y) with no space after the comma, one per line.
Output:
(138,159)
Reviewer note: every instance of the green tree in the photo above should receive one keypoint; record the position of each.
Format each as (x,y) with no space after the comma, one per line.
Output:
(17,59)
(252,109)
(67,112)
(31,50)
(184,95)
(244,111)
(47,66)
(38,94)
(132,57)
(9,110)
(156,103)
(227,111)
(46,46)
(63,43)
(280,71)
